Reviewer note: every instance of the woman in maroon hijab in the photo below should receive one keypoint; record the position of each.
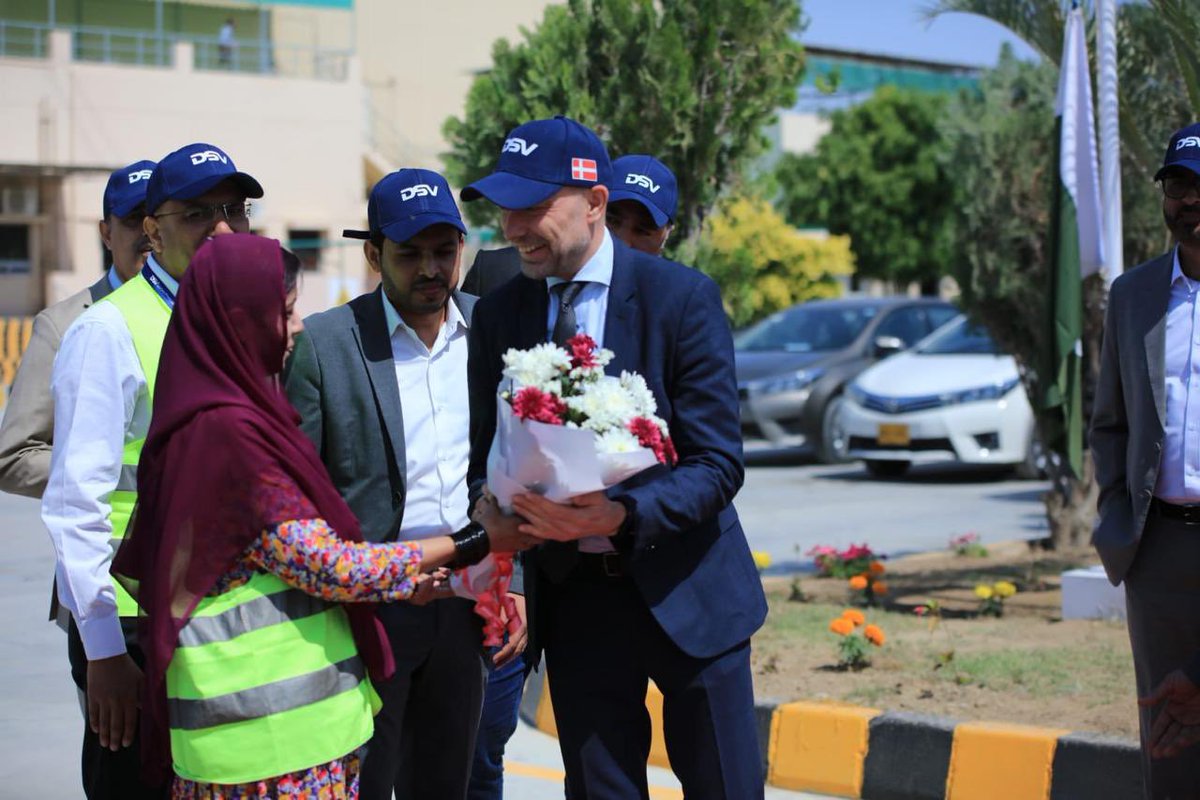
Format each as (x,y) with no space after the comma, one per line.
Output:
(242,552)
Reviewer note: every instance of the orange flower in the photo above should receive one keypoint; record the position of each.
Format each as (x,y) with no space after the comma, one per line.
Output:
(858,583)
(874,635)
(877,568)
(879,587)
(855,616)
(841,626)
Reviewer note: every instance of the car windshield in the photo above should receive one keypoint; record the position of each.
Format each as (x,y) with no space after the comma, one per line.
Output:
(807,328)
(958,337)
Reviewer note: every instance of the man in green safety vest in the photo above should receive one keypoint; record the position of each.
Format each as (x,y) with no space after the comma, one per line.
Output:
(103,388)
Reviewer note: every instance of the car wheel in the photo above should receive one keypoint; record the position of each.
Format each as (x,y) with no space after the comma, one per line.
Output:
(1034,466)
(834,441)
(887,469)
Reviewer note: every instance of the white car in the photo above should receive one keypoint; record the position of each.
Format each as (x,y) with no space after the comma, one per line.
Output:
(952,397)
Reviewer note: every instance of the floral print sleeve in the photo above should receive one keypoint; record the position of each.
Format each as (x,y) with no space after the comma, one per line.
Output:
(308,555)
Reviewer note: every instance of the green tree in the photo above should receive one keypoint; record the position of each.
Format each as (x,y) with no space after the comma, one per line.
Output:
(879,176)
(1158,70)
(692,83)
(762,264)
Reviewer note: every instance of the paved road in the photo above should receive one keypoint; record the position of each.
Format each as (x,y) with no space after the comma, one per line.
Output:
(40,727)
(788,505)
(785,503)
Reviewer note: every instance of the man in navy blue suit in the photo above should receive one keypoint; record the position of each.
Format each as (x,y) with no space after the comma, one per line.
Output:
(651,579)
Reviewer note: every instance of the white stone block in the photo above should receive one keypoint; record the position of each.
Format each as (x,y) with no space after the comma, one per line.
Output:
(1087,594)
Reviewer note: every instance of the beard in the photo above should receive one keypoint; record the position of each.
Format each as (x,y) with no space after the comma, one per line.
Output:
(1184,223)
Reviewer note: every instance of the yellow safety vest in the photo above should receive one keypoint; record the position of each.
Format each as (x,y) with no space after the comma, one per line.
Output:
(265,680)
(146,315)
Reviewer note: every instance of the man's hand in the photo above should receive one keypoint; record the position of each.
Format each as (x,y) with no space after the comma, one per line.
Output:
(114,689)
(591,514)
(431,586)
(516,641)
(1177,725)
(504,534)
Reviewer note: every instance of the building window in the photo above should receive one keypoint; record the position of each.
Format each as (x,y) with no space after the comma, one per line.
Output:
(14,250)
(306,244)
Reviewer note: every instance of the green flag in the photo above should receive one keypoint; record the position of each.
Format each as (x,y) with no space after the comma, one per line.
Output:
(1075,247)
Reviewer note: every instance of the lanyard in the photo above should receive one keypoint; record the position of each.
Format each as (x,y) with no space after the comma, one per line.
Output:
(164,292)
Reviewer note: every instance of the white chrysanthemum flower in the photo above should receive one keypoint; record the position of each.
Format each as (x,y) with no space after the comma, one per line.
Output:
(586,374)
(605,404)
(537,366)
(602,357)
(617,440)
(643,398)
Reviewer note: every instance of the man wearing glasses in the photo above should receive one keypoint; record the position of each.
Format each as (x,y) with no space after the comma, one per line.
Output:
(103,387)
(1145,440)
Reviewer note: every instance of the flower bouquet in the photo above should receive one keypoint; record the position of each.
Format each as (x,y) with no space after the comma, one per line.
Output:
(563,428)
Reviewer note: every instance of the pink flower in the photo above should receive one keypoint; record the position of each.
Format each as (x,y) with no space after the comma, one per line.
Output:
(583,351)
(650,435)
(532,403)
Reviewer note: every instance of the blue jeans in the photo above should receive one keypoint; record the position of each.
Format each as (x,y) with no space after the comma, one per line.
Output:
(501,701)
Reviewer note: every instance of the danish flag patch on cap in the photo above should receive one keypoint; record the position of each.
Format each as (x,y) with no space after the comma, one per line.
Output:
(583,169)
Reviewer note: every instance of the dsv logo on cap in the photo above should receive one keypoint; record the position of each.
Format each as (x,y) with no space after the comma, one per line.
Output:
(208,155)
(1188,141)
(643,181)
(140,175)
(518,145)
(420,190)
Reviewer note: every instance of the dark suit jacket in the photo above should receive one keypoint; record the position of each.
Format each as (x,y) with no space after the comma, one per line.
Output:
(1130,410)
(685,550)
(491,270)
(342,380)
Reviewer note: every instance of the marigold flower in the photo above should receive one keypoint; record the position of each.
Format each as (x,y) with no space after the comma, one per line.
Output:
(879,587)
(874,635)
(855,616)
(876,568)
(762,559)
(984,592)
(841,626)
(1004,589)
(858,582)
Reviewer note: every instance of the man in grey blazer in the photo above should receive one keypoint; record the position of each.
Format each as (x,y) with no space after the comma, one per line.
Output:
(380,384)
(1145,440)
(27,431)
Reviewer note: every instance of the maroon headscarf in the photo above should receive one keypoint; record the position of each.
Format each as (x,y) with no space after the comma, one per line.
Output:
(220,423)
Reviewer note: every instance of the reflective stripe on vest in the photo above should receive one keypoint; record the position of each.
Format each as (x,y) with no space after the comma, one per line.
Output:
(265,680)
(146,316)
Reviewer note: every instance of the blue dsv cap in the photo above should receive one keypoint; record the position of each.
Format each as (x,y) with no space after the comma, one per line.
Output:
(541,157)
(406,202)
(126,189)
(191,171)
(648,181)
(1183,151)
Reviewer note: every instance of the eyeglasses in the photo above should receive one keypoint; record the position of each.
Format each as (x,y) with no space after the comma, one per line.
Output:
(1177,187)
(206,215)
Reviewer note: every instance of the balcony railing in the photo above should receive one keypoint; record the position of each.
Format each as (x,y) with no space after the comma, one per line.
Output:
(147,48)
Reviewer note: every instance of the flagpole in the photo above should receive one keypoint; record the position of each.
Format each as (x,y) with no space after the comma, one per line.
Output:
(1110,140)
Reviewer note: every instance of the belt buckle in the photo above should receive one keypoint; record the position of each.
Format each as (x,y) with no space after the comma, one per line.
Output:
(612,564)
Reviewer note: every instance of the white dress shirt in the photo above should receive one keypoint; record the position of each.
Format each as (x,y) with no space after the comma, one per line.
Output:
(114,280)
(591,309)
(437,420)
(100,403)
(1179,470)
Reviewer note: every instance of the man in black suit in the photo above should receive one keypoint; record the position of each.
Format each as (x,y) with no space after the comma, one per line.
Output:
(490,270)
(378,384)
(653,578)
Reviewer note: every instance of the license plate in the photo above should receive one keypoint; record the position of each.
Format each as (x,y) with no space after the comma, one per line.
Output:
(894,435)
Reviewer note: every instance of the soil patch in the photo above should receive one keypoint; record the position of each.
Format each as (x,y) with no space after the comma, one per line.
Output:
(1029,666)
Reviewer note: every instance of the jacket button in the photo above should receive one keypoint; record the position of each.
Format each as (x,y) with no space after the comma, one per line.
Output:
(397,497)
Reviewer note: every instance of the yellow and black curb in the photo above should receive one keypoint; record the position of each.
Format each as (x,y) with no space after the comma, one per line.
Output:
(14,336)
(851,751)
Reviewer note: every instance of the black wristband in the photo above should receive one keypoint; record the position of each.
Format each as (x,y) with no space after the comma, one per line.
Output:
(471,544)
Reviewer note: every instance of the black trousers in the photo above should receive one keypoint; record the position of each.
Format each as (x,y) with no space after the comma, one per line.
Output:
(108,775)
